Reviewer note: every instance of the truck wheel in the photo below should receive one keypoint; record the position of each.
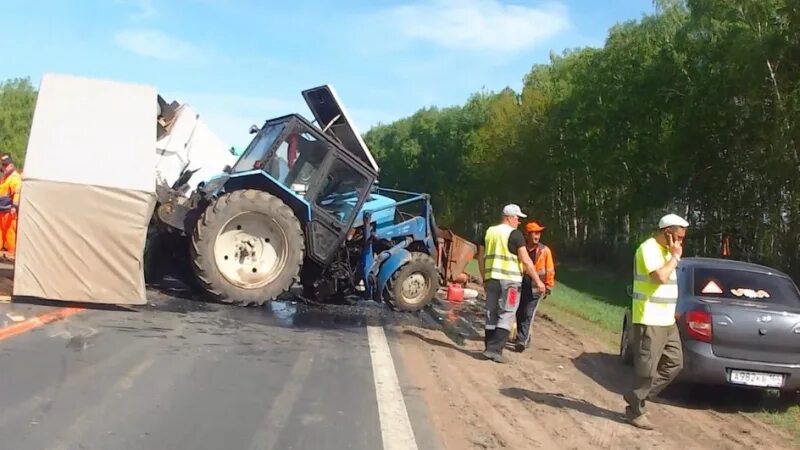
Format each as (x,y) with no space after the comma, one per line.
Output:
(625,353)
(154,258)
(247,248)
(414,285)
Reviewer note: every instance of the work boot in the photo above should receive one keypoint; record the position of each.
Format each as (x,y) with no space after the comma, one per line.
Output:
(641,421)
(498,340)
(631,400)
(500,359)
(496,357)
(487,337)
(495,346)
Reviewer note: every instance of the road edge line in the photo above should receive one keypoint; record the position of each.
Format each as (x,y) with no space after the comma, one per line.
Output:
(396,430)
(36,322)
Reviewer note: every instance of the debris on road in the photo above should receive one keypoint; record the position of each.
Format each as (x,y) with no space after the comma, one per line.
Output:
(15,317)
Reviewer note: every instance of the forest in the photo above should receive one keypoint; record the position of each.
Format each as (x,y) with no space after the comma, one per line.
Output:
(692,109)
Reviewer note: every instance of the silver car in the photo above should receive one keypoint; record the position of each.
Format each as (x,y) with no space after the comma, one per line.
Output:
(739,324)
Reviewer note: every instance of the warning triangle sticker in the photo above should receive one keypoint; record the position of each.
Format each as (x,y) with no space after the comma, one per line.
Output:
(712,288)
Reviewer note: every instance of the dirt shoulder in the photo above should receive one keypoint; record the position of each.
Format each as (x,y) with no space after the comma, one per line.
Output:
(562,393)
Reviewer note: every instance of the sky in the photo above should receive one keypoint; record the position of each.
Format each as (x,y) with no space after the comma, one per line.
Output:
(241,62)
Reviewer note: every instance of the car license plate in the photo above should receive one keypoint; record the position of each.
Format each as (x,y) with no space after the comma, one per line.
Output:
(756,379)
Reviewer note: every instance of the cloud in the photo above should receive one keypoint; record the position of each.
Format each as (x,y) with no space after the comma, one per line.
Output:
(485,25)
(157,45)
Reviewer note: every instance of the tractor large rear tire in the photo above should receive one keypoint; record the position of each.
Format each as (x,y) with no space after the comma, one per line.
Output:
(414,285)
(247,248)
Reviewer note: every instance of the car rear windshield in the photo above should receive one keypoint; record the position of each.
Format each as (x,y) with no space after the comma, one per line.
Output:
(737,284)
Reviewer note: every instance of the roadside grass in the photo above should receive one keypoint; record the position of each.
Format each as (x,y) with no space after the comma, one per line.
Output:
(788,420)
(595,297)
(587,299)
(594,301)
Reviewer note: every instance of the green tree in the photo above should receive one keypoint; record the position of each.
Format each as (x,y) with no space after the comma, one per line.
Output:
(17,102)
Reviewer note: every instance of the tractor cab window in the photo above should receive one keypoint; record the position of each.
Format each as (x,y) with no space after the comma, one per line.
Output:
(341,190)
(258,148)
(297,161)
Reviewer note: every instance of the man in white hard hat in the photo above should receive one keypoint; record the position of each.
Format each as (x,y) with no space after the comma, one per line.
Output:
(505,260)
(657,351)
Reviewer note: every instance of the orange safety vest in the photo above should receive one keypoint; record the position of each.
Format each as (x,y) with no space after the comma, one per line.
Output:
(542,258)
(10,187)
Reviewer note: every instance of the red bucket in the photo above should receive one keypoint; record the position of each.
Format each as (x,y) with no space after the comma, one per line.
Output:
(455,293)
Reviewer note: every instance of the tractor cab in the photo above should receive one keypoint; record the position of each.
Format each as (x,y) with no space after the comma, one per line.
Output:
(324,171)
(314,172)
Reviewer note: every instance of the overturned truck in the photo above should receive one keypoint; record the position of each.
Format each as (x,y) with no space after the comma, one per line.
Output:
(299,207)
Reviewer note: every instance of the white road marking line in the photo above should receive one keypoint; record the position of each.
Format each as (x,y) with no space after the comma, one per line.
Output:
(396,428)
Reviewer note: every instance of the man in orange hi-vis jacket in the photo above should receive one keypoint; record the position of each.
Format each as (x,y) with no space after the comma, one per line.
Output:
(9,203)
(542,258)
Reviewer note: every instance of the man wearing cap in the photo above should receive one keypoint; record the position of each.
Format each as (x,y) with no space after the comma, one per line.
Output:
(9,203)
(505,260)
(542,258)
(657,351)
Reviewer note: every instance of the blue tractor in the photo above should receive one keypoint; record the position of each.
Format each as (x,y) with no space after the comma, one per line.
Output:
(302,204)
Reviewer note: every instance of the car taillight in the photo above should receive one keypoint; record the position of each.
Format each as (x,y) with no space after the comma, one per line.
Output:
(698,325)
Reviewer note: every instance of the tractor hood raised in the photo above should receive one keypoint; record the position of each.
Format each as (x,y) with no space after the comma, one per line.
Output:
(331,116)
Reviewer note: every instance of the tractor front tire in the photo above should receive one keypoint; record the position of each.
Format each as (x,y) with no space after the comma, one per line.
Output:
(247,248)
(413,286)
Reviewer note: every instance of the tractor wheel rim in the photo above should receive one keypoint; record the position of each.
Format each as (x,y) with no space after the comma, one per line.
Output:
(250,250)
(414,288)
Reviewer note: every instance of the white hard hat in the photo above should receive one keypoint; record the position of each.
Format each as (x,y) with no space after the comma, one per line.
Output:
(672,220)
(513,210)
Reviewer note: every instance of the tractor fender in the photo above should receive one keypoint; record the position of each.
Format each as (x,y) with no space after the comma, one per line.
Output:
(391,265)
(263,181)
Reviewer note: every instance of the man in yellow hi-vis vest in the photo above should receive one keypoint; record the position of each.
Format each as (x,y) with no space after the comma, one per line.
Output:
(658,355)
(504,261)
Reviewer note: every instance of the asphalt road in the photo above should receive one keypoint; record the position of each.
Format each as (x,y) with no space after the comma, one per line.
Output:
(181,374)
